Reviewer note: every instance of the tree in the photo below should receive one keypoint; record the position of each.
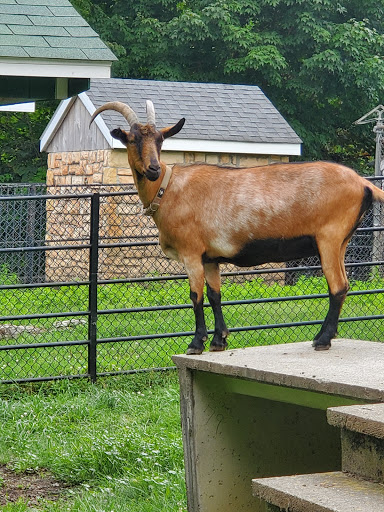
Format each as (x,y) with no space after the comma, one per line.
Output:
(20,157)
(320,61)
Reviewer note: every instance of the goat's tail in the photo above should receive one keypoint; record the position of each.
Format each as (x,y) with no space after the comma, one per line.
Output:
(377,193)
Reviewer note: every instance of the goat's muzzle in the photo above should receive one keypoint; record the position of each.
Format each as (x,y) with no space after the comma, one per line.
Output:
(153,172)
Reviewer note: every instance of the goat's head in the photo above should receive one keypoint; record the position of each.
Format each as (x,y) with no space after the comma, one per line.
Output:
(143,141)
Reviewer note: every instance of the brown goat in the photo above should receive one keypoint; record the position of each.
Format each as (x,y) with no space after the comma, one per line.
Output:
(208,215)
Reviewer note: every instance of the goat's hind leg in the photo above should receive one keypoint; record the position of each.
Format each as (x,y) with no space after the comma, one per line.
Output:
(212,276)
(195,272)
(332,260)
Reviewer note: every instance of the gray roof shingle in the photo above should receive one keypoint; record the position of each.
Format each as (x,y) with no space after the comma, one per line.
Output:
(221,112)
(50,29)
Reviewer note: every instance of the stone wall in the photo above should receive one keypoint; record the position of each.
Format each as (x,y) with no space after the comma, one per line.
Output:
(68,219)
(109,166)
(104,166)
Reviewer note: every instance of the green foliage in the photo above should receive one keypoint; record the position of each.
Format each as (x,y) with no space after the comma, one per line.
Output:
(19,506)
(7,277)
(20,157)
(321,62)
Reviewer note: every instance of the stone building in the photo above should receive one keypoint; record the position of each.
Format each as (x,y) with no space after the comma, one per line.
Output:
(225,124)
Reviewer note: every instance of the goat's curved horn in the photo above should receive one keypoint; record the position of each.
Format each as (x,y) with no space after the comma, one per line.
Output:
(151,116)
(120,107)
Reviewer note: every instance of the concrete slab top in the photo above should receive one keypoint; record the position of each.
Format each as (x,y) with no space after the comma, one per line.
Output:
(321,492)
(365,419)
(351,368)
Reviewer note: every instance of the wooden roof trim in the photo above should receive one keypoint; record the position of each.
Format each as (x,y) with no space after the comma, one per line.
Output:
(55,123)
(60,115)
(99,120)
(56,68)
(234,147)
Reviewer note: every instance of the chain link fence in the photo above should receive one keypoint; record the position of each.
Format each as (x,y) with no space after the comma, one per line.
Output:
(22,224)
(85,289)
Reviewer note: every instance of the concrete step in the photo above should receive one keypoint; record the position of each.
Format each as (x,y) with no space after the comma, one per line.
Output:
(362,439)
(320,492)
(366,419)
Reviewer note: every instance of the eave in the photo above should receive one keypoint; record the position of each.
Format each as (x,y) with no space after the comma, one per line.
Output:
(25,80)
(55,68)
(225,146)
(228,146)
(20,107)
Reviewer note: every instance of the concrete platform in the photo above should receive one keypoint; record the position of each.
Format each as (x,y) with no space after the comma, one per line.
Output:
(260,412)
(365,419)
(322,492)
(350,368)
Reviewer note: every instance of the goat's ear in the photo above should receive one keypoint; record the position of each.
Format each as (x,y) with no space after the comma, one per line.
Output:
(120,135)
(172,130)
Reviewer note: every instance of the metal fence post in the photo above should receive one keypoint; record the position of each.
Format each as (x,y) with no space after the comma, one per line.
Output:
(93,270)
(376,115)
(378,236)
(30,237)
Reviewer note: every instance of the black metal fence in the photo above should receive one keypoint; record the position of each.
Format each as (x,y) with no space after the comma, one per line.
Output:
(22,224)
(85,289)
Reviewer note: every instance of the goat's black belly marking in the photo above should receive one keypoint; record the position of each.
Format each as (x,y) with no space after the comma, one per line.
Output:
(271,250)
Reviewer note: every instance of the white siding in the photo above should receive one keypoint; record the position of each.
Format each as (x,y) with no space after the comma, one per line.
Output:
(74,133)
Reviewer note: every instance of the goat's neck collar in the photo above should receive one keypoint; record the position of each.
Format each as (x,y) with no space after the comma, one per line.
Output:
(152,208)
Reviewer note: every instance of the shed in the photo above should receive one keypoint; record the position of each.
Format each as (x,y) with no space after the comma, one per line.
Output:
(227,124)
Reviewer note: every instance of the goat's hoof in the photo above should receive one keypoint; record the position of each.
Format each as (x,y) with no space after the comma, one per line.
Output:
(218,348)
(322,342)
(322,347)
(194,351)
(219,342)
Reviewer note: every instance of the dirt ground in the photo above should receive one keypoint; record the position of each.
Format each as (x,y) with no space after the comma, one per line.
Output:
(31,487)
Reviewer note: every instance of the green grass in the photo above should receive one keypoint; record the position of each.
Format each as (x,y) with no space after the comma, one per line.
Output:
(123,356)
(118,443)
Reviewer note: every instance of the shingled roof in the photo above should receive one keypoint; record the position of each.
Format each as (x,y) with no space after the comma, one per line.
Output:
(43,40)
(222,112)
(50,29)
(219,117)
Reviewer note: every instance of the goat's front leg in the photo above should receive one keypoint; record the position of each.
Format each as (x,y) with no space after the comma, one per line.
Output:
(195,272)
(212,276)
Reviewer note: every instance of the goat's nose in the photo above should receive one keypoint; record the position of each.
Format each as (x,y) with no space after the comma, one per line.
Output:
(154,167)
(153,172)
